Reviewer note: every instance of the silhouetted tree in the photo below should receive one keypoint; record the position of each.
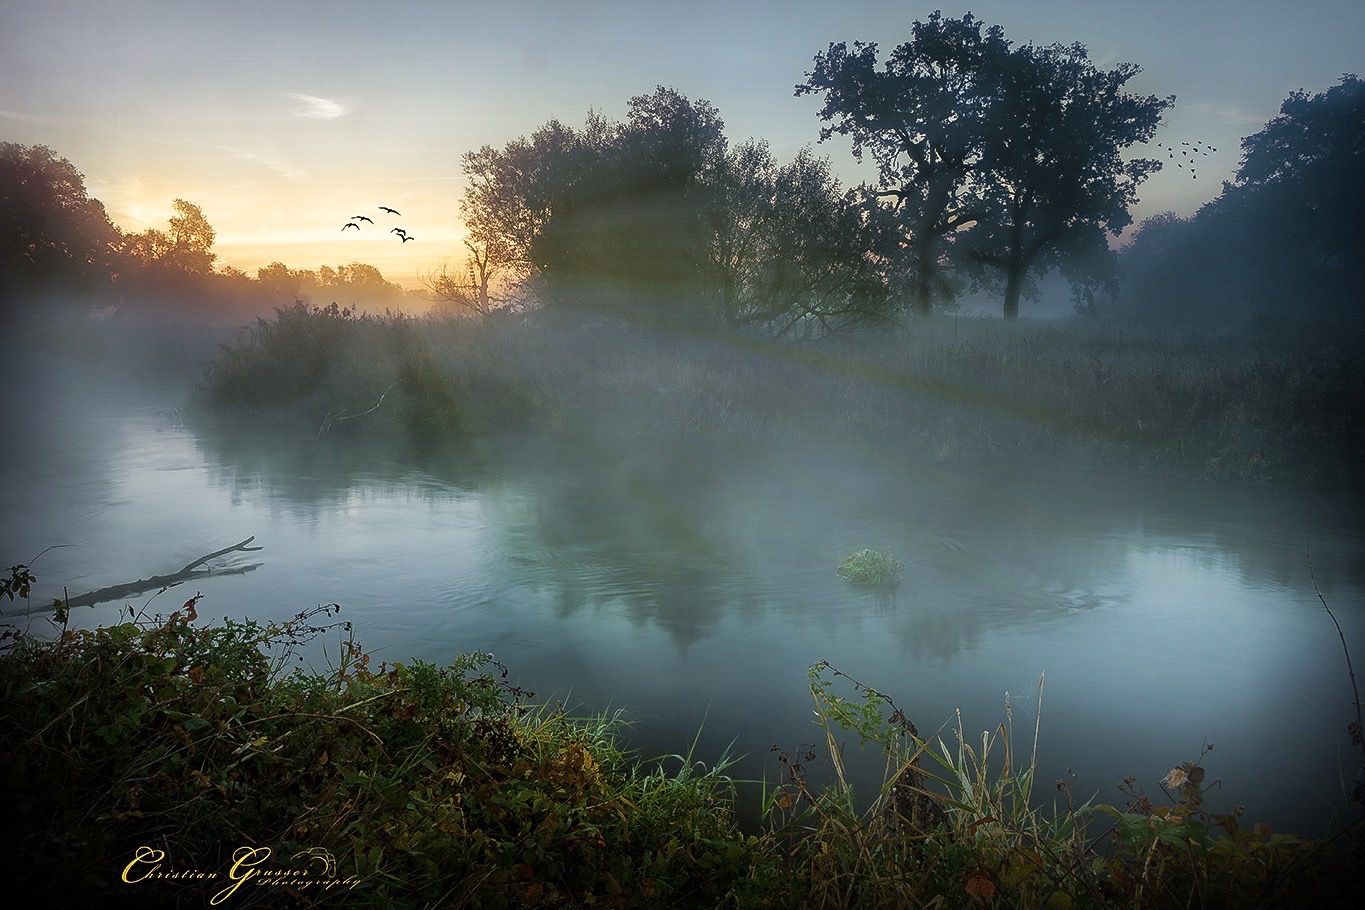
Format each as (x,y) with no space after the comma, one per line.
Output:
(471,293)
(791,251)
(628,210)
(185,247)
(925,117)
(1305,174)
(53,236)
(1053,182)
(512,191)
(1017,149)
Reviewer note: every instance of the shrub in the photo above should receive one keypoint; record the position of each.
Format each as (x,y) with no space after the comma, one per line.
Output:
(402,783)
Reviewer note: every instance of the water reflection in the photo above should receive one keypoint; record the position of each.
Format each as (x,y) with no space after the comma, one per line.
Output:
(304,469)
(695,586)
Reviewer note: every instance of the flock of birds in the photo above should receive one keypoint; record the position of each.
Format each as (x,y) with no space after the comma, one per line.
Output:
(1188,151)
(402,235)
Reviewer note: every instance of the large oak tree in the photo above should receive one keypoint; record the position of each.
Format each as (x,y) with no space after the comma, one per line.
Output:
(924,117)
(1054,181)
(1018,150)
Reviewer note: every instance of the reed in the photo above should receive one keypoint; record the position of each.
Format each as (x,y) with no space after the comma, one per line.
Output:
(1080,395)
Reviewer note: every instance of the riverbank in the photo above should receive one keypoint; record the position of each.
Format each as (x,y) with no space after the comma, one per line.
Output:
(948,391)
(164,759)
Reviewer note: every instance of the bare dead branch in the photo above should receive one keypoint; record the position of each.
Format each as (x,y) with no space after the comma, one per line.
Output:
(333,418)
(142,585)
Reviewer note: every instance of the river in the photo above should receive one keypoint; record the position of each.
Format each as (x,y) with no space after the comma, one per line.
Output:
(692,589)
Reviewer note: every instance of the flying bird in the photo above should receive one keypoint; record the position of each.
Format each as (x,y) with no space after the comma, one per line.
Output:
(362,218)
(405,238)
(399,231)
(1188,151)
(350,224)
(385,208)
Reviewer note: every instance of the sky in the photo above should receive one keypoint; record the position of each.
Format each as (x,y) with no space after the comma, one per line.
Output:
(281,120)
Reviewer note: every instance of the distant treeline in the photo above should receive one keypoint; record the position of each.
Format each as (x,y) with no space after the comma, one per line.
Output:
(997,164)
(1284,242)
(57,244)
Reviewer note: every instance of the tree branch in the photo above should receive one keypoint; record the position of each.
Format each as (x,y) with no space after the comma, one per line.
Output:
(331,419)
(142,585)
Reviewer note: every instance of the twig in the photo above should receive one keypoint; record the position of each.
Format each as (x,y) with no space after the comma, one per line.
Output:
(1357,730)
(327,424)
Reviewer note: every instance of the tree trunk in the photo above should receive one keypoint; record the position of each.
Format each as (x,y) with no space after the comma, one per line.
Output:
(1014,286)
(922,304)
(1017,266)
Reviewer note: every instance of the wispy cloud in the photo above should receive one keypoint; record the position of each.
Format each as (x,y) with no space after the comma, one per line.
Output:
(33,118)
(316,108)
(274,162)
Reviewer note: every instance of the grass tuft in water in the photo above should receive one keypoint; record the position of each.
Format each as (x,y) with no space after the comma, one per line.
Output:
(871,568)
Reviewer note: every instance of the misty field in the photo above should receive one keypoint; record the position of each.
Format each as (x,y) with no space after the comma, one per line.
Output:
(1066,393)
(433,779)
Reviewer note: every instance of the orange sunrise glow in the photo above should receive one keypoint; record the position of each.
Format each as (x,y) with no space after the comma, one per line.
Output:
(280,122)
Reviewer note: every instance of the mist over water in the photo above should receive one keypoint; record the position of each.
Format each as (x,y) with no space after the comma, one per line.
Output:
(694,587)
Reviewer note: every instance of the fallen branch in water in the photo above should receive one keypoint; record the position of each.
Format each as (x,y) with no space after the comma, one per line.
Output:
(331,419)
(142,585)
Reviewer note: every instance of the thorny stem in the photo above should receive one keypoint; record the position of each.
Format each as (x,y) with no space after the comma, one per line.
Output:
(1358,733)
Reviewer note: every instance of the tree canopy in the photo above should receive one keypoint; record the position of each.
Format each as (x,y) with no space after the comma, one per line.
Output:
(791,251)
(53,236)
(1056,183)
(924,117)
(658,217)
(991,158)
(1307,169)
(186,246)
(1282,241)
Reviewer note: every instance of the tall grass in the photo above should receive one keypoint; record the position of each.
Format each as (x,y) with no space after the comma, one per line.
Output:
(1076,393)
(416,785)
(160,744)
(958,822)
(325,370)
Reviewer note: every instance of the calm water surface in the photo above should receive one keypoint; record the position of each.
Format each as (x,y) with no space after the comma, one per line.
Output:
(693,588)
